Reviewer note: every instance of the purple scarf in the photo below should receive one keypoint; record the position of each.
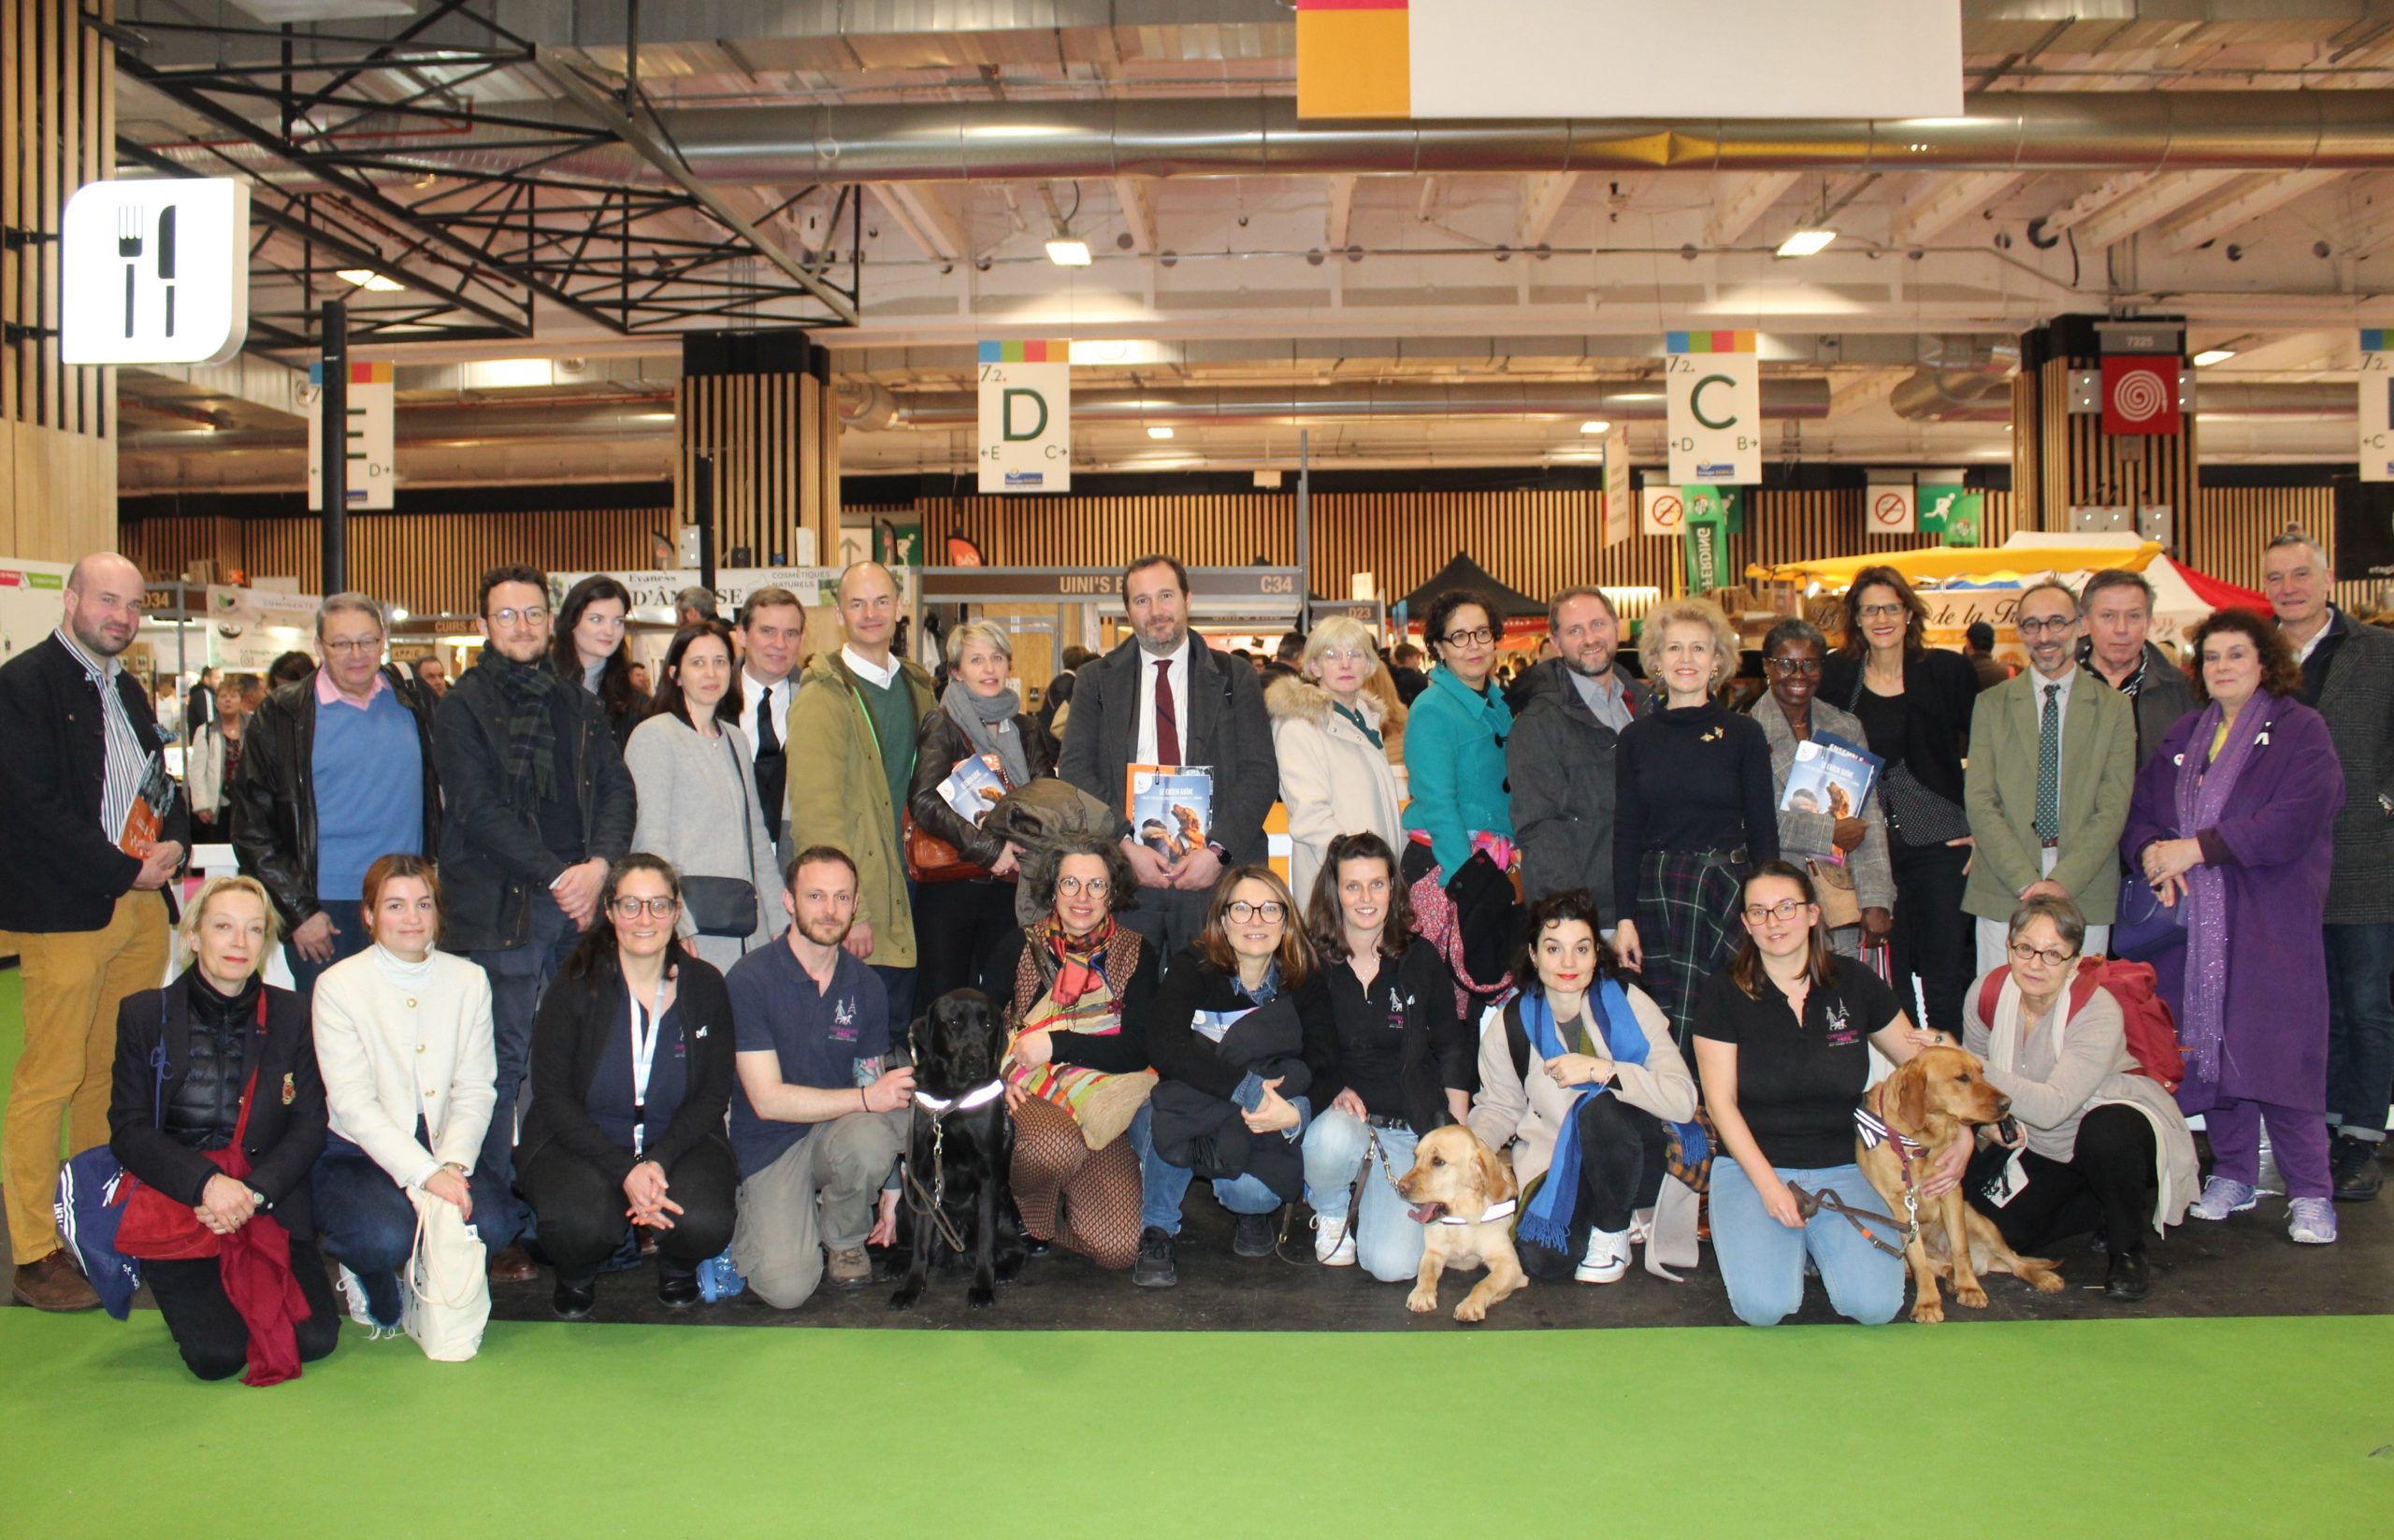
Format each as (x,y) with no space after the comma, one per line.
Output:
(2203,792)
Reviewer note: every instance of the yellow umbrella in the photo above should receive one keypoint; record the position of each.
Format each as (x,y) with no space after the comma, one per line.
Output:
(1943,564)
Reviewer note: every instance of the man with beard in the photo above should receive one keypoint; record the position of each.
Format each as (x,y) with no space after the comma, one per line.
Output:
(2051,770)
(1166,697)
(85,869)
(1560,757)
(817,1119)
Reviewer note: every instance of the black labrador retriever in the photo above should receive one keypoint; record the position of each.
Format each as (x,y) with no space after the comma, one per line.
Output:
(961,1149)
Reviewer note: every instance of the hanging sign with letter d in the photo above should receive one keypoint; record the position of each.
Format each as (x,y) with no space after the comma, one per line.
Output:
(1026,417)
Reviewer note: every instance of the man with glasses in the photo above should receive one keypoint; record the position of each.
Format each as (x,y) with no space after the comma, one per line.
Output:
(2119,619)
(336,771)
(538,807)
(2051,772)
(1560,757)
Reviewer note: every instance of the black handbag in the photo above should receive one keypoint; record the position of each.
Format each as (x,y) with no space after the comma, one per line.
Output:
(727,906)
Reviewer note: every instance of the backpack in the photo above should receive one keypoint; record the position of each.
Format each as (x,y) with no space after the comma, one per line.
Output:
(2152,1031)
(89,1205)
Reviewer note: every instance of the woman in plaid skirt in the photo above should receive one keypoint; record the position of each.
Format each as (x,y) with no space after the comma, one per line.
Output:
(1693,813)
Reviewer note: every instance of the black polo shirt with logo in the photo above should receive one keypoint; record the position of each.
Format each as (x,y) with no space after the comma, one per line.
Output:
(1797,1081)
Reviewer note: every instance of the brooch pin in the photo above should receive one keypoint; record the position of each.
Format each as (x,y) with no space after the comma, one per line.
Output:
(2263,739)
(290,1091)
(1712,735)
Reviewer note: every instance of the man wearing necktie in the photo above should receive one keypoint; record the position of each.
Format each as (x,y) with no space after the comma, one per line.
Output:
(2051,770)
(772,633)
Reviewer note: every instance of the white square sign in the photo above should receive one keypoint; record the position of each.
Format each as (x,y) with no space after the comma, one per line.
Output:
(1712,402)
(156,272)
(2377,409)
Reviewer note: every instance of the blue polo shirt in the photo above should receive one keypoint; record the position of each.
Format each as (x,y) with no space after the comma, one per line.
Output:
(819,1034)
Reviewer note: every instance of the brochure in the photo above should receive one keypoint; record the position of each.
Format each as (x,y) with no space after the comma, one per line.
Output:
(1170,807)
(1830,776)
(974,787)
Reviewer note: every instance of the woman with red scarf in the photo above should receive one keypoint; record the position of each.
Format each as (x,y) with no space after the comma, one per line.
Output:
(1076,987)
(217,1113)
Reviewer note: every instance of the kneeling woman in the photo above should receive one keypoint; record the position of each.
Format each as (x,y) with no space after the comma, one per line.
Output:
(1241,1028)
(184,1055)
(1783,1045)
(403,1036)
(631,1080)
(1400,1065)
(1587,1160)
(2099,1147)
(1077,989)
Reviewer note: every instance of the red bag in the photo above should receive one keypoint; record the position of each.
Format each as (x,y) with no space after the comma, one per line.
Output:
(2152,1031)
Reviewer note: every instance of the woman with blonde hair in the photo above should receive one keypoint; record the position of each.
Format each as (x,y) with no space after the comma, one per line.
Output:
(1694,810)
(1334,773)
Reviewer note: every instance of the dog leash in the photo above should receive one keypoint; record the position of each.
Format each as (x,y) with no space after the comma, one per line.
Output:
(1809,1203)
(932,1204)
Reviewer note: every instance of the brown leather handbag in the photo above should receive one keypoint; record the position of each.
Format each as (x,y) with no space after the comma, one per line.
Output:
(933,859)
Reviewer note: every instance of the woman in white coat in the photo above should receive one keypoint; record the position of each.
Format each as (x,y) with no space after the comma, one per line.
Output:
(1327,731)
(403,1039)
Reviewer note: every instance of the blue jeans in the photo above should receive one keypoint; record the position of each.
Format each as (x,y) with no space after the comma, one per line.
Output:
(1250,1194)
(518,977)
(1762,1261)
(1388,1244)
(1163,1185)
(349,938)
(367,1221)
(2360,1028)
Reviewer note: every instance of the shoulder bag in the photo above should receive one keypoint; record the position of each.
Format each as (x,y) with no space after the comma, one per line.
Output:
(727,906)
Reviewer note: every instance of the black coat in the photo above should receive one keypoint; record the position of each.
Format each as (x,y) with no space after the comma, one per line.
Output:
(1940,689)
(1440,1049)
(492,856)
(1223,725)
(941,745)
(286,1129)
(274,796)
(1560,762)
(569,1038)
(62,872)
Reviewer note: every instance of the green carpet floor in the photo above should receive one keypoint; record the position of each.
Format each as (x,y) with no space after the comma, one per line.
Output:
(2121,1428)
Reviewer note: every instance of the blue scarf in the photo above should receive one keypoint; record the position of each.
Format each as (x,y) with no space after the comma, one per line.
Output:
(1547,1218)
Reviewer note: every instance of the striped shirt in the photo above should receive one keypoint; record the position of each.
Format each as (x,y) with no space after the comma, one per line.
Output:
(128,758)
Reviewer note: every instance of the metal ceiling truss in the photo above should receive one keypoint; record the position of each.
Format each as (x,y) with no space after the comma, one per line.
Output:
(362,138)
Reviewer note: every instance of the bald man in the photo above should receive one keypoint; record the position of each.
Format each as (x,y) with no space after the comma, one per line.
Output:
(91,832)
(851,763)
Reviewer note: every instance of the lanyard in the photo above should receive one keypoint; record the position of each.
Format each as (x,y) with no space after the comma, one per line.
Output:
(644,1028)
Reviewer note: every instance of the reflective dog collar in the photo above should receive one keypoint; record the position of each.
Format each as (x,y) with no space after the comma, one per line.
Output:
(1501,1211)
(1874,1131)
(979,1096)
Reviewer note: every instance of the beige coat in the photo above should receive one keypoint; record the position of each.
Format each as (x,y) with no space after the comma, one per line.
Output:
(391,1052)
(1524,1118)
(1332,781)
(839,796)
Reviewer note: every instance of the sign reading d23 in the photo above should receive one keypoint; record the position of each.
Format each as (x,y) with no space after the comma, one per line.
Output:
(1713,393)
(154,272)
(1026,442)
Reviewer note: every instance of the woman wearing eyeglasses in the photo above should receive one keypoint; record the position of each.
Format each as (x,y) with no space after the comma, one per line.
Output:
(1326,730)
(1914,703)
(697,806)
(2097,1147)
(631,1080)
(1077,988)
(1782,1049)
(1461,818)
(1692,811)
(590,650)
(1850,849)
(1242,1030)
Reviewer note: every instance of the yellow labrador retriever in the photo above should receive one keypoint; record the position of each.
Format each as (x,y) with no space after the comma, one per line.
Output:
(1462,1192)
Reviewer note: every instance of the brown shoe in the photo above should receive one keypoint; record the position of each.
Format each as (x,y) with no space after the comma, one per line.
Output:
(54,1283)
(513,1265)
(847,1267)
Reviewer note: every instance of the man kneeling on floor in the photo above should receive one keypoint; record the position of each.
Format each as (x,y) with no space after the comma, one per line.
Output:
(817,1121)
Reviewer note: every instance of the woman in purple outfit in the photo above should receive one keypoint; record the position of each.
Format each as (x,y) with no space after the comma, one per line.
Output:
(2231,824)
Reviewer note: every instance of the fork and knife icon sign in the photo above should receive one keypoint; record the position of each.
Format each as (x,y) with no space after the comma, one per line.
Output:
(130,245)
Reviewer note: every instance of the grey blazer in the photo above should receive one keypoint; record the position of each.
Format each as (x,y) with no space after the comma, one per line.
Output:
(698,809)
(2358,699)
(1802,834)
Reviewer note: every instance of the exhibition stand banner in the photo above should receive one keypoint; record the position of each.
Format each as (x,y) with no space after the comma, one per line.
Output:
(1026,417)
(2377,409)
(154,272)
(1621,497)
(1712,397)
(652,591)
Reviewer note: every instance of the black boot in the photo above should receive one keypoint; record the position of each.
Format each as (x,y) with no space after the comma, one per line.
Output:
(1252,1236)
(573,1300)
(677,1288)
(2128,1278)
(2355,1170)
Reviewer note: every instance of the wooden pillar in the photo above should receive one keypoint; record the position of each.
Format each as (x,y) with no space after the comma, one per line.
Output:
(2063,459)
(758,405)
(57,421)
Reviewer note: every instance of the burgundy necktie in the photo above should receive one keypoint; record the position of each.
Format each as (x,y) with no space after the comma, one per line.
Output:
(1167,717)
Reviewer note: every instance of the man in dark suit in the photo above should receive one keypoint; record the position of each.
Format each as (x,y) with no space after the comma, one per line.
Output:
(199,706)
(91,833)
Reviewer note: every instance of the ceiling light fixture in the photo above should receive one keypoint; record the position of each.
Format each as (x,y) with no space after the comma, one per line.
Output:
(2209,356)
(1804,243)
(1064,249)
(1595,425)
(1158,431)
(1067,252)
(368,279)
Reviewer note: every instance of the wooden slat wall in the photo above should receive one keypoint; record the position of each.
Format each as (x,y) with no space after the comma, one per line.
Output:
(2070,462)
(774,439)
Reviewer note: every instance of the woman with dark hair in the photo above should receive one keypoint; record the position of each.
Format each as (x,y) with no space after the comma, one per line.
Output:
(588,648)
(1851,850)
(1914,704)
(697,806)
(1580,1084)
(1400,1060)
(1461,815)
(1077,989)
(1783,1045)
(288,668)
(631,1080)
(1242,1030)
(2231,826)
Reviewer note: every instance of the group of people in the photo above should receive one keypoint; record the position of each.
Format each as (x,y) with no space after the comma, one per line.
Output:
(615,972)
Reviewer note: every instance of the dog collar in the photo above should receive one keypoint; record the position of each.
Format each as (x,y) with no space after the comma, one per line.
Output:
(1501,1211)
(1874,1131)
(979,1096)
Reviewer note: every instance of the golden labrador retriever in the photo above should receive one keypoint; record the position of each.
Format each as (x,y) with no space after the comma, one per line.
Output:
(1941,1096)
(1455,1182)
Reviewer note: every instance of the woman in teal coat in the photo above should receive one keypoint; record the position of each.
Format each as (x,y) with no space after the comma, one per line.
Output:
(1454,768)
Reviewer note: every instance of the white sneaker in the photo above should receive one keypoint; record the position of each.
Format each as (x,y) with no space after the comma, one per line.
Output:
(354,1292)
(1333,1246)
(1607,1258)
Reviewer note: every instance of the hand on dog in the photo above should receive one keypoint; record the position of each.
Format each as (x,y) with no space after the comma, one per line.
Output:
(1945,1172)
(889,1092)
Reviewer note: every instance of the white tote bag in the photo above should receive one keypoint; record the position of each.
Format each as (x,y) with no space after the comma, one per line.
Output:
(447,1301)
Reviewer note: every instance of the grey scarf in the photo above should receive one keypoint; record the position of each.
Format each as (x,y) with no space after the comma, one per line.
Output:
(988,726)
